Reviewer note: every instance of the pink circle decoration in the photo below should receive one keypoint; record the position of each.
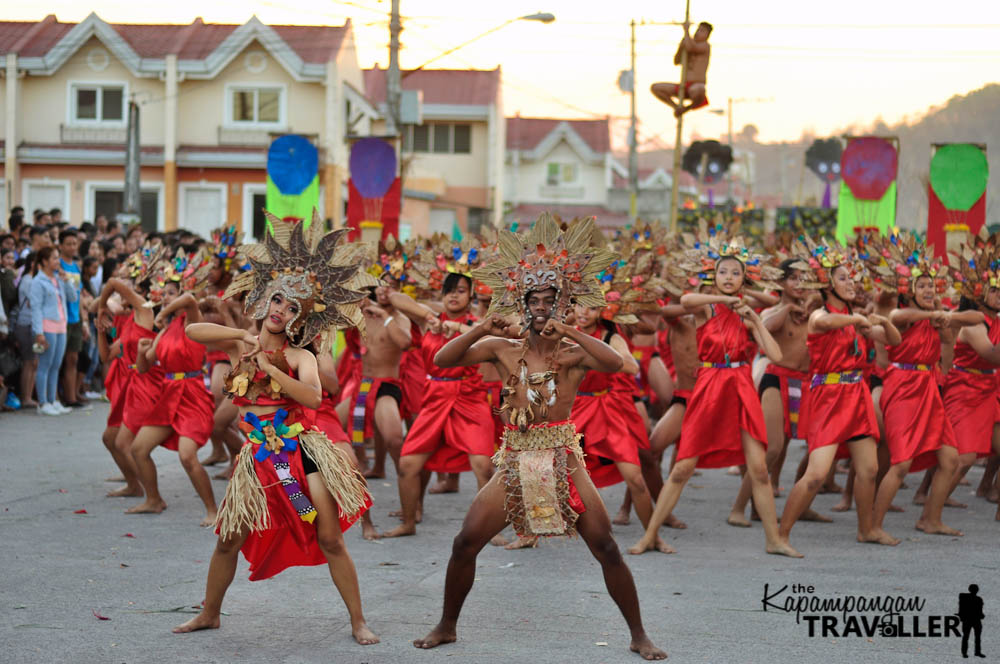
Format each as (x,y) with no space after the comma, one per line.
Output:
(868,167)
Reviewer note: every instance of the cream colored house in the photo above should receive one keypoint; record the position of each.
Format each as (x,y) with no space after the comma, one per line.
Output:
(560,166)
(452,159)
(211,98)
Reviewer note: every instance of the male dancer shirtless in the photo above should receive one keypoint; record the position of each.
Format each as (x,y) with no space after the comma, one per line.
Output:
(543,350)
(374,406)
(698,54)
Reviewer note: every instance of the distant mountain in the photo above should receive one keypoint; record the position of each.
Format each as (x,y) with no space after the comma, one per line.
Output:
(780,177)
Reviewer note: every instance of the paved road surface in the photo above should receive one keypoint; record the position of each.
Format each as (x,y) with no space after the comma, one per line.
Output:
(542,605)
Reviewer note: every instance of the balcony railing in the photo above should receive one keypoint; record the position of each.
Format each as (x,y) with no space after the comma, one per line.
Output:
(92,135)
(550,191)
(254,137)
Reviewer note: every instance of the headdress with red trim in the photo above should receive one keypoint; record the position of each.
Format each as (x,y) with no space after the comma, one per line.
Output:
(977,268)
(897,260)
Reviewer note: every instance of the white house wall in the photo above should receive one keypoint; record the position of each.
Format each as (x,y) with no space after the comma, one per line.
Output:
(44,103)
(530,179)
(458,170)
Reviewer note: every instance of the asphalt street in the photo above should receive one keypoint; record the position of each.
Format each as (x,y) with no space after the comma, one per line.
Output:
(72,555)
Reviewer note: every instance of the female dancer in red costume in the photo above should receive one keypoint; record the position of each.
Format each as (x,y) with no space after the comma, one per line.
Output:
(838,416)
(454,430)
(917,430)
(293,491)
(137,399)
(116,379)
(713,435)
(180,418)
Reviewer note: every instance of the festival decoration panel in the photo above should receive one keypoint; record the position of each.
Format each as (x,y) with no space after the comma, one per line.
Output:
(823,159)
(292,178)
(374,195)
(867,200)
(956,192)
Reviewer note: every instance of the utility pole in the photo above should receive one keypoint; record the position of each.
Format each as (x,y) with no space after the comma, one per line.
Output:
(633,146)
(732,152)
(132,196)
(675,176)
(393,81)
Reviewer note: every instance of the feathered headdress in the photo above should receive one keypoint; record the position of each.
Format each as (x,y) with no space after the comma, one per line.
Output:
(312,268)
(632,285)
(190,273)
(143,262)
(978,266)
(224,246)
(823,258)
(897,260)
(703,252)
(546,258)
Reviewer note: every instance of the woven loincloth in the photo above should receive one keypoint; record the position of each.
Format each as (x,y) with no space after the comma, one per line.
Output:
(540,498)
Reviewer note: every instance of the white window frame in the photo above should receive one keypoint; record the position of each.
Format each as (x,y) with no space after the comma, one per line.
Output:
(182,190)
(232,88)
(246,225)
(71,119)
(90,188)
(65,184)
(561,182)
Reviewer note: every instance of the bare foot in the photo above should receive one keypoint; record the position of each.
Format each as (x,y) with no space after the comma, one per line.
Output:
(225,474)
(374,474)
(878,536)
(214,459)
(937,529)
(437,636)
(645,647)
(673,522)
(200,621)
(843,506)
(813,515)
(363,635)
(964,482)
(368,531)
(29,404)
(919,498)
(951,502)
(781,548)
(733,470)
(147,507)
(209,519)
(399,515)
(991,495)
(831,487)
(893,507)
(125,492)
(526,542)
(642,546)
(663,547)
(738,519)
(401,531)
(116,478)
(498,540)
(445,486)
(623,518)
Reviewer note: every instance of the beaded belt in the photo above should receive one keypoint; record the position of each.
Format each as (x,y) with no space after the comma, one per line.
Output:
(181,375)
(722,365)
(912,367)
(843,378)
(592,394)
(971,370)
(446,379)
(131,366)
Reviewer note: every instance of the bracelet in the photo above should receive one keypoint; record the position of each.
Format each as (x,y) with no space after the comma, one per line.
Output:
(387,321)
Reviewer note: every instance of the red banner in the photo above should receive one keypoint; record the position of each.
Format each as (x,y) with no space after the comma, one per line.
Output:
(384,210)
(938,217)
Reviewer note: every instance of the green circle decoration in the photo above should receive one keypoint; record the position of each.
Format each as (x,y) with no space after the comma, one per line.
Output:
(959,173)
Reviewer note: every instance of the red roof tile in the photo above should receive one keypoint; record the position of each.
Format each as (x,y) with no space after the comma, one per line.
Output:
(467,87)
(194,41)
(527,133)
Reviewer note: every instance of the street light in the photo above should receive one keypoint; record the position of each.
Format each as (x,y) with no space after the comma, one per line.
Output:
(541,17)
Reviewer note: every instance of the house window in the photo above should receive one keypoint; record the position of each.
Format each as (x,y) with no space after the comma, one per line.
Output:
(557,174)
(257,106)
(440,138)
(98,103)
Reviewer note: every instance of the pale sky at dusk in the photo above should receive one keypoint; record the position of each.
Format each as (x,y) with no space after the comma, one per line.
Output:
(819,67)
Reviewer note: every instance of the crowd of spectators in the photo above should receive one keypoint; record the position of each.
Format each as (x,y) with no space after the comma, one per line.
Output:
(51,274)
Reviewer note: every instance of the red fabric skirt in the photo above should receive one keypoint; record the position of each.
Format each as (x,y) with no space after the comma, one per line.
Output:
(290,541)
(834,414)
(414,377)
(454,422)
(187,407)
(141,397)
(915,422)
(970,400)
(613,432)
(722,405)
(348,375)
(116,384)
(326,420)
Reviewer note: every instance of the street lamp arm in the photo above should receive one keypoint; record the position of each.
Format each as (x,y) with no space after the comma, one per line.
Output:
(543,17)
